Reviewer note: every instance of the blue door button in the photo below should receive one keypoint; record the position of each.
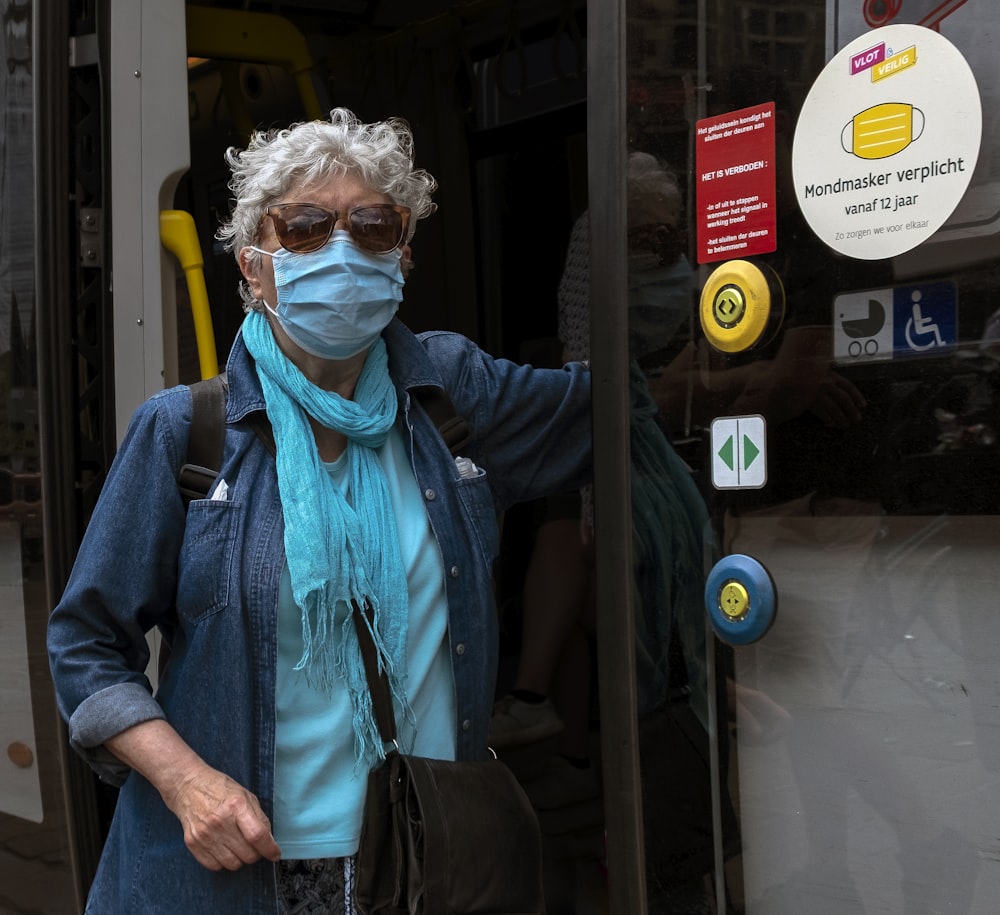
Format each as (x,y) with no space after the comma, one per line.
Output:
(740,599)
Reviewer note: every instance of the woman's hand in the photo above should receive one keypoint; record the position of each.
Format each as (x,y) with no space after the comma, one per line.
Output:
(838,403)
(224,826)
(802,378)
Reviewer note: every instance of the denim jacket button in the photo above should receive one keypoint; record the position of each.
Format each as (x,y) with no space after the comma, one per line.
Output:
(430,495)
(466,725)
(460,649)
(454,571)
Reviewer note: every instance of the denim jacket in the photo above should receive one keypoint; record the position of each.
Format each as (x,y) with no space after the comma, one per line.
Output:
(209,577)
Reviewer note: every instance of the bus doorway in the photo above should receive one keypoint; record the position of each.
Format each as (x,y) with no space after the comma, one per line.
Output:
(496,96)
(132,132)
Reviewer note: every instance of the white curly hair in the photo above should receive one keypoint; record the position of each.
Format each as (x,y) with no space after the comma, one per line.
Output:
(307,153)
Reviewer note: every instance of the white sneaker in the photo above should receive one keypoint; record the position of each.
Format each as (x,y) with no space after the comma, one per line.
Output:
(515,723)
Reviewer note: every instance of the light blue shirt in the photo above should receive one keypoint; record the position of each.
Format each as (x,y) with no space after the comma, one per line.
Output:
(319,792)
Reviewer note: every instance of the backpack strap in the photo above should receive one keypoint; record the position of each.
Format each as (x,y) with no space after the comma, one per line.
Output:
(206,438)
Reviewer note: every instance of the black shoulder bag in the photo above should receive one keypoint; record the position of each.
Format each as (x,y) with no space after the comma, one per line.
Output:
(441,837)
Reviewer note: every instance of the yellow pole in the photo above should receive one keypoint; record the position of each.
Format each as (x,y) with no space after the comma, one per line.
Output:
(180,238)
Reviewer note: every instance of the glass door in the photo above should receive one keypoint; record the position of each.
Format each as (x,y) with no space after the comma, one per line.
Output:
(812,215)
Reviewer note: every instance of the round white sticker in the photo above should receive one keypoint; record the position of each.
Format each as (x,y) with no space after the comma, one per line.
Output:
(887,141)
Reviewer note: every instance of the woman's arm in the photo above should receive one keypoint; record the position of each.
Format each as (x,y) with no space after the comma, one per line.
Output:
(224,826)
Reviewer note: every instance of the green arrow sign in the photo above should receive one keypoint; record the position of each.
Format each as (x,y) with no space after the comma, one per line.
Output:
(739,452)
(726,452)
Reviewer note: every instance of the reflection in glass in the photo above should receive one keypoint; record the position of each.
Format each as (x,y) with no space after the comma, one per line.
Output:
(856,755)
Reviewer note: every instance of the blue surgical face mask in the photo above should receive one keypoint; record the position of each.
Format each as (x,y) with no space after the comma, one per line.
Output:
(659,301)
(335,301)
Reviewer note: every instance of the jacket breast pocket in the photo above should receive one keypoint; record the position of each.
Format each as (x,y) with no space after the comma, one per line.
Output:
(205,566)
(477,500)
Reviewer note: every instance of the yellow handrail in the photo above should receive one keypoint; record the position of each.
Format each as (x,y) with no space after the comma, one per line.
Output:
(264,38)
(180,238)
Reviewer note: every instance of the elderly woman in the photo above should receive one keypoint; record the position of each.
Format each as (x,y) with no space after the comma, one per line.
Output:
(243,777)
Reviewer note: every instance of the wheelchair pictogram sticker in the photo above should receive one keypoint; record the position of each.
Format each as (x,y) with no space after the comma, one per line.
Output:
(881,324)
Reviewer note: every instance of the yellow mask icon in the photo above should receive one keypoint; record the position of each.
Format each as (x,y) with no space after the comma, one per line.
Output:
(882,130)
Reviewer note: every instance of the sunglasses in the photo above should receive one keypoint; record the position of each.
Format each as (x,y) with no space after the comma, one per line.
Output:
(304,227)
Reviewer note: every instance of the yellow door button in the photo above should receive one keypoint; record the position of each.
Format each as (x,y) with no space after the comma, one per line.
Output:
(742,306)
(734,601)
(729,306)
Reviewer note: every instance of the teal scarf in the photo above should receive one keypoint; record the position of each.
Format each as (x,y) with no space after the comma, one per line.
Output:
(338,551)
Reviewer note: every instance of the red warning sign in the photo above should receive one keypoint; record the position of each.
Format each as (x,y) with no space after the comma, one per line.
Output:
(734,158)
